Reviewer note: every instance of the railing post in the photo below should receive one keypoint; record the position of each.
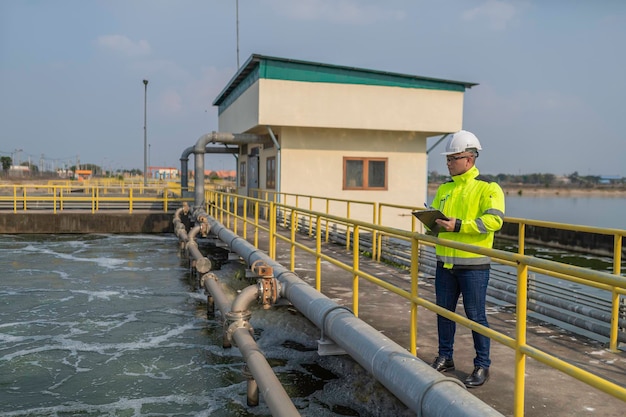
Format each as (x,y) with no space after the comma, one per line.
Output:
(520,339)
(414,293)
(375,233)
(310,217)
(285,216)
(355,269)
(318,255)
(327,232)
(222,197)
(348,228)
(235,213)
(292,241)
(245,219)
(615,304)
(617,300)
(256,224)
(521,231)
(272,234)
(165,195)
(130,200)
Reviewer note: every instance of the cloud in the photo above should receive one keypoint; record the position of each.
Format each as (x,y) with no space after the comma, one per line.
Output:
(337,11)
(121,44)
(170,102)
(497,12)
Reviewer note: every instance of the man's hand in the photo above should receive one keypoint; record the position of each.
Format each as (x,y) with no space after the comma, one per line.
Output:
(447,225)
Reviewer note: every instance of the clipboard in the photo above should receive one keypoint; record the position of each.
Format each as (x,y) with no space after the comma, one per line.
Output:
(428,217)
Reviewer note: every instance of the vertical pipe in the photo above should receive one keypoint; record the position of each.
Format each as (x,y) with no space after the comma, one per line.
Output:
(184,176)
(198,177)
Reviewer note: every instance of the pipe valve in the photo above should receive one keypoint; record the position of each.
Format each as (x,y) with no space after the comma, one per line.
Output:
(269,287)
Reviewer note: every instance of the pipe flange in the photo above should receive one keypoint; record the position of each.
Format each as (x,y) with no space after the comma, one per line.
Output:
(206,277)
(235,320)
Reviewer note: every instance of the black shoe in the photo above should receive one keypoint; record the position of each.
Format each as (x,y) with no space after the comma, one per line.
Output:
(478,377)
(443,364)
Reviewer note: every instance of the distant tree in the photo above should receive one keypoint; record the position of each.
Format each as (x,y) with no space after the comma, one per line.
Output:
(549,179)
(33,169)
(6,164)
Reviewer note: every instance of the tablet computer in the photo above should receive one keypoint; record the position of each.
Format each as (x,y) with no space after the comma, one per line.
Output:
(428,217)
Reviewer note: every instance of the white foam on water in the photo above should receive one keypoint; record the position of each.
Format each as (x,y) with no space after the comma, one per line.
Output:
(102,295)
(100,261)
(205,405)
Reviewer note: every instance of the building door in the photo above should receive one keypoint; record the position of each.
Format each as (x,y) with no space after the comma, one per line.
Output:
(253,172)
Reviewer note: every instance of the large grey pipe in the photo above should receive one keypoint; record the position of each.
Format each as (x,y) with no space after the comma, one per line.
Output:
(414,382)
(184,170)
(199,150)
(202,263)
(275,396)
(184,162)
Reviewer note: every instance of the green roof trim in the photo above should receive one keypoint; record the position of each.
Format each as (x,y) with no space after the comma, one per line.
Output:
(259,66)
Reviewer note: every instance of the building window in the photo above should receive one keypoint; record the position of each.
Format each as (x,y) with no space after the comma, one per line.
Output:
(364,173)
(242,174)
(270,172)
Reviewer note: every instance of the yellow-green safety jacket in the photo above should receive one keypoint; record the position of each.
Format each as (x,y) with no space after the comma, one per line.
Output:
(478,206)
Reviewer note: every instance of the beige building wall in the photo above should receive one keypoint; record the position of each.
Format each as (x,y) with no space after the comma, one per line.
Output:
(312,164)
(345,106)
(243,114)
(291,103)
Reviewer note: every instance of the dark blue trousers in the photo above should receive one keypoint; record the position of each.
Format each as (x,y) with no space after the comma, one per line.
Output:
(449,285)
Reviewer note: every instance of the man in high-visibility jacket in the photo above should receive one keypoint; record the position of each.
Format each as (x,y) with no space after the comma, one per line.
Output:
(474,207)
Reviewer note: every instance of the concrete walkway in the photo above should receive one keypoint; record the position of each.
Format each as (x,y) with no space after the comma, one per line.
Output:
(548,392)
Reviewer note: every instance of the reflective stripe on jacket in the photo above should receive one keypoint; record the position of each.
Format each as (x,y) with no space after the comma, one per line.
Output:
(478,206)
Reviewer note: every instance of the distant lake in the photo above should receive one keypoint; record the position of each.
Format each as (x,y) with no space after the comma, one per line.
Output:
(587,210)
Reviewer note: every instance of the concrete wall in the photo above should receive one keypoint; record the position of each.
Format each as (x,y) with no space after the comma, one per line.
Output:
(68,222)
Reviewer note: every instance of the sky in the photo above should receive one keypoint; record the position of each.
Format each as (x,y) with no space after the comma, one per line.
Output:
(550,97)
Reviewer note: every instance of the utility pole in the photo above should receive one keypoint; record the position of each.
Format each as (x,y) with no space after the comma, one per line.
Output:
(237,18)
(145,133)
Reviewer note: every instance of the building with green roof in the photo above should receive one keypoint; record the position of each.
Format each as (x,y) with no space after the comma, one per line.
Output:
(337,131)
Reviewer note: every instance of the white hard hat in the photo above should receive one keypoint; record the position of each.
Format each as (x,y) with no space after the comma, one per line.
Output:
(462,141)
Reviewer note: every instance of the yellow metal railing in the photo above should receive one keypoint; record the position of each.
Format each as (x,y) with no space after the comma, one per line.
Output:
(226,209)
(67,195)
